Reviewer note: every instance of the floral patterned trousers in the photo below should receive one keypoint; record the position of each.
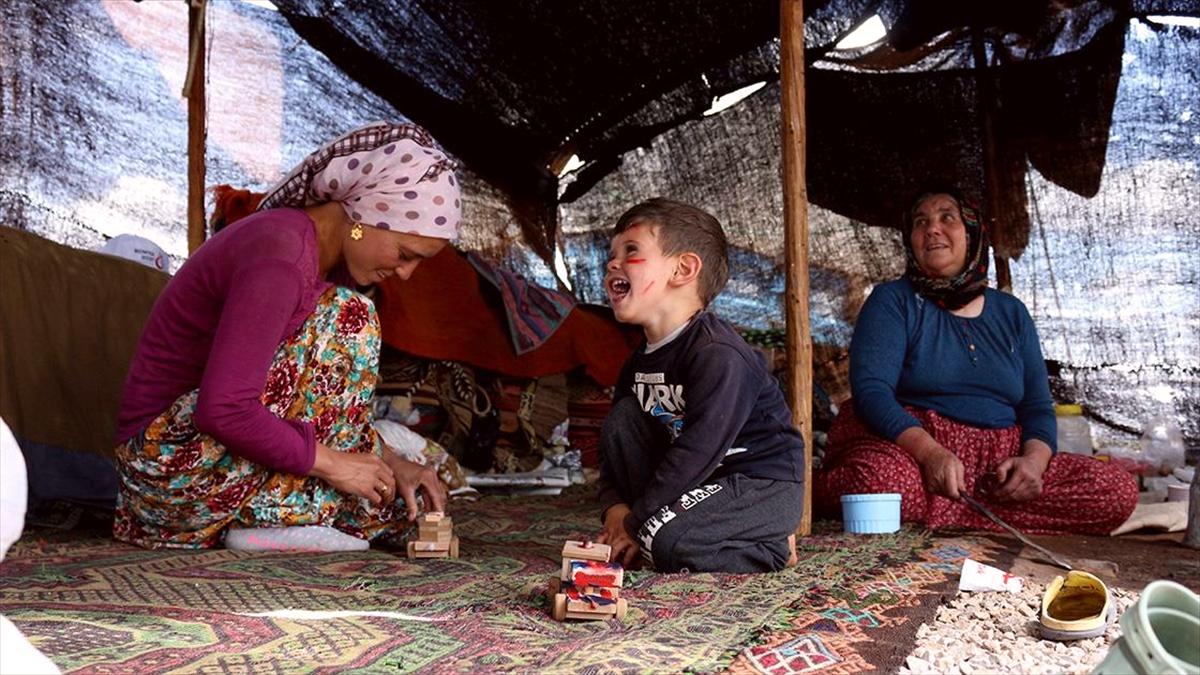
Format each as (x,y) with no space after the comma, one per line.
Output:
(181,489)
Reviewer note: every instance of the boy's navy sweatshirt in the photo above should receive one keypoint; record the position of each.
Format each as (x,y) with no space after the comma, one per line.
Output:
(722,408)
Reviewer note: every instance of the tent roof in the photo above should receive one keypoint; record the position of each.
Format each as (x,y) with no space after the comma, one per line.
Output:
(515,88)
(1110,279)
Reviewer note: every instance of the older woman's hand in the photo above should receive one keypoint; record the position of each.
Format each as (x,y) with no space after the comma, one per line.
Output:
(1021,477)
(941,470)
(943,473)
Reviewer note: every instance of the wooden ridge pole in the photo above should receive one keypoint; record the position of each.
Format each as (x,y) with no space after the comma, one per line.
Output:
(193,91)
(795,236)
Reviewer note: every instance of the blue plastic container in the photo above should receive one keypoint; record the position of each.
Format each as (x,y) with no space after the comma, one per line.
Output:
(871,514)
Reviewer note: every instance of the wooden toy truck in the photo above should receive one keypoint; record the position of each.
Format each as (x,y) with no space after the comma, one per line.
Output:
(589,586)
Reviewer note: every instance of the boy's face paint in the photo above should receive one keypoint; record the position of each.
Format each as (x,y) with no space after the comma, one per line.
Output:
(636,266)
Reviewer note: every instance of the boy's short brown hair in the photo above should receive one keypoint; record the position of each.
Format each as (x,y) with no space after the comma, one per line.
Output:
(683,228)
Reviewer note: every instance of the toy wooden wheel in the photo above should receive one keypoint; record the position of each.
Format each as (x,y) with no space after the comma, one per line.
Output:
(560,607)
(622,607)
(454,547)
(555,586)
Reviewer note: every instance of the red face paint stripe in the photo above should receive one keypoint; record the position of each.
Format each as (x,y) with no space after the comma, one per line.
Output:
(634,261)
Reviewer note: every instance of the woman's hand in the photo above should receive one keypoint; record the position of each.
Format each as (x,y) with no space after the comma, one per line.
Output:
(624,548)
(943,473)
(411,478)
(359,474)
(1020,478)
(941,470)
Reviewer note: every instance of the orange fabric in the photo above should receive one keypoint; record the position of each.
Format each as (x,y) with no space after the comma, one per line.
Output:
(232,204)
(442,312)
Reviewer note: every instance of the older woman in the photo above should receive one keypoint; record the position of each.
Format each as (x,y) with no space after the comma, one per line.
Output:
(951,397)
(246,404)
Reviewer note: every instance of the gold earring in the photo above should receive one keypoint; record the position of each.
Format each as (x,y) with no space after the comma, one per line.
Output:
(356,231)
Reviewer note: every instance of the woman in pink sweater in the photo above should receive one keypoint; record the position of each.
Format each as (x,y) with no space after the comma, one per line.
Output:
(247,401)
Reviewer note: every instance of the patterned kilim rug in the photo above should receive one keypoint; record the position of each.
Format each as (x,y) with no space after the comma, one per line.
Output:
(95,606)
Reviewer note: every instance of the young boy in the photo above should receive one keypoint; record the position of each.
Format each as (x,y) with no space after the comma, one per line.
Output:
(701,469)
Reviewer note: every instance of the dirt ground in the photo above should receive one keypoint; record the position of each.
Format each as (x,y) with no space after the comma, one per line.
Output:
(1128,561)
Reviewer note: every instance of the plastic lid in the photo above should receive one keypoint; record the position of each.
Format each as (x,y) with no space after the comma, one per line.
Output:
(881,497)
(1067,409)
(138,249)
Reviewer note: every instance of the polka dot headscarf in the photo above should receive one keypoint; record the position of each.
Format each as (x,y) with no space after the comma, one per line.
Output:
(390,176)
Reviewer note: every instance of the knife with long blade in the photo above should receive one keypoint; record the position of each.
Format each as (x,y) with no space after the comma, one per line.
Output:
(1015,532)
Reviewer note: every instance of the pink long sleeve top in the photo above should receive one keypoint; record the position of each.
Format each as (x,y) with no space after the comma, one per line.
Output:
(217,326)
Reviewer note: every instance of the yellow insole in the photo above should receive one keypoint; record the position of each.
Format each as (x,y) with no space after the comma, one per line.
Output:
(1072,604)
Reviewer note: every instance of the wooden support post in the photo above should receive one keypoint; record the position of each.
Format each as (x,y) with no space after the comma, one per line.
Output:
(1003,273)
(987,103)
(795,227)
(193,91)
(1191,538)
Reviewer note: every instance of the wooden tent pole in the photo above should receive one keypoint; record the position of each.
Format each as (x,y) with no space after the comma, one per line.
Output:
(986,100)
(193,91)
(795,236)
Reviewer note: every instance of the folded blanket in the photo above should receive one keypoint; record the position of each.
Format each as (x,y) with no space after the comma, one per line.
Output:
(533,312)
(1165,516)
(71,322)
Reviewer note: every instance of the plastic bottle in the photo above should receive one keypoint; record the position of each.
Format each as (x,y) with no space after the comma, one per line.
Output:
(1162,443)
(1074,432)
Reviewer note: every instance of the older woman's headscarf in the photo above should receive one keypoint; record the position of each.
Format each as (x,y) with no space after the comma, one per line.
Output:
(969,283)
(390,176)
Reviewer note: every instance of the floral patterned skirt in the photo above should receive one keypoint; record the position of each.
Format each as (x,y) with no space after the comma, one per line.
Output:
(181,489)
(1079,494)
